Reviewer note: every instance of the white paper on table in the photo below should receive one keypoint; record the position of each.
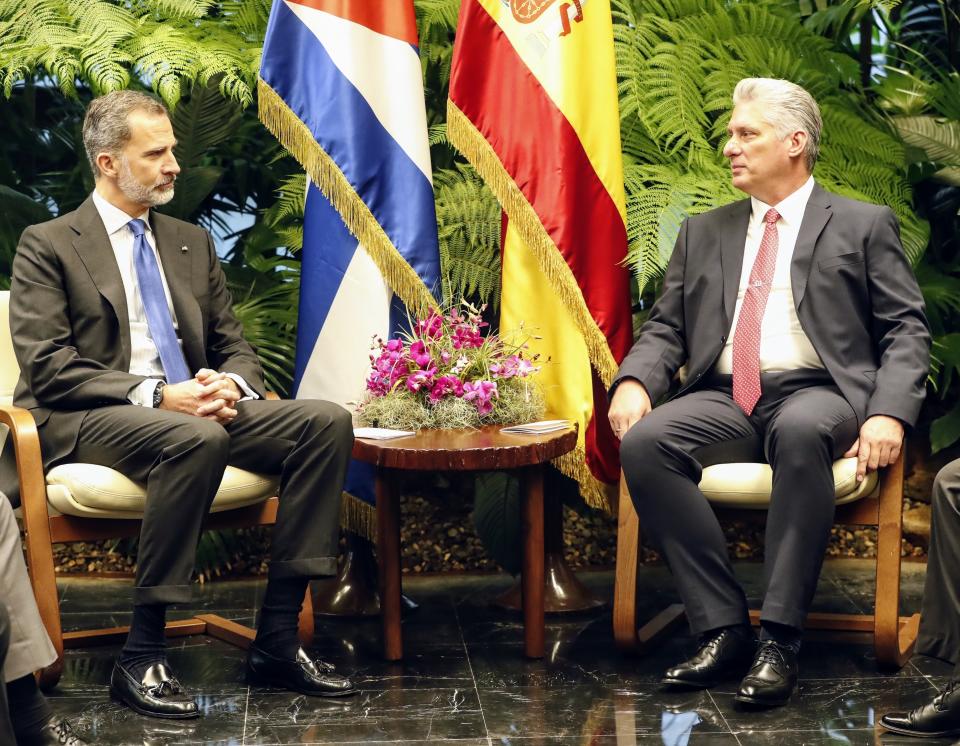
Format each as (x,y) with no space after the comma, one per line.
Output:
(538,428)
(380,433)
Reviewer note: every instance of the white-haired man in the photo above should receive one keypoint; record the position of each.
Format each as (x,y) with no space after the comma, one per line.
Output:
(802,330)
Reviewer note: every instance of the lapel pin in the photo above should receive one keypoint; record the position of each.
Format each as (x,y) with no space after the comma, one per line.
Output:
(184,249)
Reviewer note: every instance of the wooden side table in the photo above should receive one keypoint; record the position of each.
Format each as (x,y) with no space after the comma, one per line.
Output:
(483,449)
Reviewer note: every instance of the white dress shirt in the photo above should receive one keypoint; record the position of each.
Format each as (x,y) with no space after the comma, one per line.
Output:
(144,358)
(783,343)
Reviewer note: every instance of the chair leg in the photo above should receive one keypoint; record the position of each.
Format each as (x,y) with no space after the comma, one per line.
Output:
(306,619)
(39,548)
(894,639)
(625,583)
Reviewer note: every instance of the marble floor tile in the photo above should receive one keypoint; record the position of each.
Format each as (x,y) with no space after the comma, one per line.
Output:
(590,711)
(465,680)
(826,705)
(431,715)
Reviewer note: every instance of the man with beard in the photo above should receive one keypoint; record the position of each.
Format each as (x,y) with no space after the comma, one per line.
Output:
(131,357)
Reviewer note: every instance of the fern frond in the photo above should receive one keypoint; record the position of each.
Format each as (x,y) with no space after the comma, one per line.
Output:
(190,9)
(468,219)
(938,138)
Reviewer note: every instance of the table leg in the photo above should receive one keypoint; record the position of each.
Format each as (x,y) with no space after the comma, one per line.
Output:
(388,552)
(531,489)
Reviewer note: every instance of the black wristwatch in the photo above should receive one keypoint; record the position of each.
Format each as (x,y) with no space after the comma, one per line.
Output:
(158,394)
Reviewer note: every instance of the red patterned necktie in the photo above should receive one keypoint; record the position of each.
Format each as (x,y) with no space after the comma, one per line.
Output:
(746,337)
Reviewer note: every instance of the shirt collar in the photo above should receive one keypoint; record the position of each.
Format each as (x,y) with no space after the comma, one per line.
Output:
(113,217)
(791,209)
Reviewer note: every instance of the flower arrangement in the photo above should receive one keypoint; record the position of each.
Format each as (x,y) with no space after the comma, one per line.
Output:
(446,373)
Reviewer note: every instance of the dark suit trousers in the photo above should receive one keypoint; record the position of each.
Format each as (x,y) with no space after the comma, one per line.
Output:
(6,726)
(940,614)
(181,460)
(800,426)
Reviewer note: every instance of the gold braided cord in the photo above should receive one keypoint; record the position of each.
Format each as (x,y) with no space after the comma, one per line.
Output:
(595,493)
(358,516)
(474,146)
(295,136)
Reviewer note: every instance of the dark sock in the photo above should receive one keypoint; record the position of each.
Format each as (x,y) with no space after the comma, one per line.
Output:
(146,643)
(279,616)
(782,634)
(742,630)
(29,709)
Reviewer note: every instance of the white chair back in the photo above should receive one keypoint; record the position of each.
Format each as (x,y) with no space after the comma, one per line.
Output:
(9,370)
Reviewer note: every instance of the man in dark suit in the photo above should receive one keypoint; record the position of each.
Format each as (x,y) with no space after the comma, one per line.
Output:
(131,357)
(940,614)
(25,715)
(802,331)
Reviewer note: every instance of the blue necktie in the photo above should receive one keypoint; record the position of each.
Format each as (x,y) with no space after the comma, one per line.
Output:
(159,320)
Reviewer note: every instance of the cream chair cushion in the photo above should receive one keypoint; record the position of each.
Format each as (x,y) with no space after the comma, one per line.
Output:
(748,485)
(89,490)
(100,492)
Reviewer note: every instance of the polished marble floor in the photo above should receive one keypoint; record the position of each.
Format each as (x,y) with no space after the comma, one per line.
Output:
(465,680)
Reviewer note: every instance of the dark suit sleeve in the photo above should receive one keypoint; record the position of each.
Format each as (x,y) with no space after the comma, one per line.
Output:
(53,369)
(227,350)
(900,329)
(661,348)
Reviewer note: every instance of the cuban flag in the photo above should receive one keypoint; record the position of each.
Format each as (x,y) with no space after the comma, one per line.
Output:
(341,88)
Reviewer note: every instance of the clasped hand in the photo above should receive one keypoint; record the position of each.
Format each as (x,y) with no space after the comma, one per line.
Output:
(209,394)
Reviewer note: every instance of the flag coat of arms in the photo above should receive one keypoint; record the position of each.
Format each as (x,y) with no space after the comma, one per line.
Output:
(533,106)
(341,88)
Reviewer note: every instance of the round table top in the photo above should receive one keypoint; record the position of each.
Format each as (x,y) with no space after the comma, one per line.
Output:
(481,449)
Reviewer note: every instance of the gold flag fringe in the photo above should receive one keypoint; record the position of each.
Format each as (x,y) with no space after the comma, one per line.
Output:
(595,493)
(474,146)
(358,516)
(294,135)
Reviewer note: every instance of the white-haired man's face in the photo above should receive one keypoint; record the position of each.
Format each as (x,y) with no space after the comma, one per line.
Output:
(760,160)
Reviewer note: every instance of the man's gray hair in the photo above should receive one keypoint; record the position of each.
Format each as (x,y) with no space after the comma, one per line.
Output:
(787,107)
(106,126)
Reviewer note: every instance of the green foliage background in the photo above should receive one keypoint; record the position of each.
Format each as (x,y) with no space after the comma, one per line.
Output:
(885,74)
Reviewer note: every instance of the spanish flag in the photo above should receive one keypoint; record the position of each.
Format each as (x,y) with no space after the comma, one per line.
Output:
(533,106)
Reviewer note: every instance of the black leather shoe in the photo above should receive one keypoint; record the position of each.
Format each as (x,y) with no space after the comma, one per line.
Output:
(301,674)
(772,677)
(55,732)
(727,655)
(158,694)
(938,719)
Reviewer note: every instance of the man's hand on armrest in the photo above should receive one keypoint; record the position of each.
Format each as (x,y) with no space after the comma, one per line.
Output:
(630,402)
(878,445)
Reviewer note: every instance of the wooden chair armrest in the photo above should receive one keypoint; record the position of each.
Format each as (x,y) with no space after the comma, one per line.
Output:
(26,445)
(36,519)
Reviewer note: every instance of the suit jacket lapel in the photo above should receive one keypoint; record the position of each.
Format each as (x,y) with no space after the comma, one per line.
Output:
(176,268)
(92,244)
(815,217)
(733,236)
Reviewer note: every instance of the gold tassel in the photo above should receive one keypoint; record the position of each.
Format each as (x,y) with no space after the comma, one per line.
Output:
(324,172)
(595,493)
(358,516)
(469,141)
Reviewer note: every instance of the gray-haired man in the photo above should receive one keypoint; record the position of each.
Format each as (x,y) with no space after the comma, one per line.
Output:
(802,329)
(131,357)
